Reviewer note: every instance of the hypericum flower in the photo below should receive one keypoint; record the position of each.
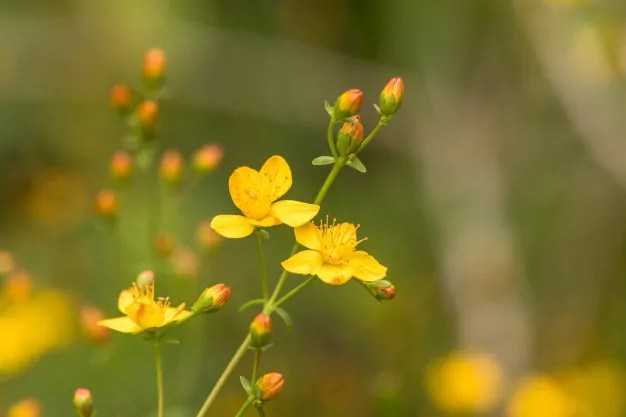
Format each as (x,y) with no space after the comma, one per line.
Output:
(83,402)
(270,385)
(541,396)
(106,203)
(391,96)
(350,135)
(212,299)
(255,194)
(25,408)
(331,254)
(348,103)
(142,312)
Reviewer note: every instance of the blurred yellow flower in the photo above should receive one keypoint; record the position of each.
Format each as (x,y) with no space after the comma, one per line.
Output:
(331,254)
(32,327)
(255,194)
(465,383)
(25,408)
(598,388)
(541,396)
(143,312)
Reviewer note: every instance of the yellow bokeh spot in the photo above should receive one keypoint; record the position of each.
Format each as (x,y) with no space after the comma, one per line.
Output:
(465,383)
(541,396)
(598,389)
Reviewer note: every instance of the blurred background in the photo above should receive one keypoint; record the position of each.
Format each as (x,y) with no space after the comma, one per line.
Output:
(496,197)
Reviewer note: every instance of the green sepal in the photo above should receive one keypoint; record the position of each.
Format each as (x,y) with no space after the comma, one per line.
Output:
(251,303)
(264,234)
(356,164)
(329,109)
(282,313)
(247,387)
(323,160)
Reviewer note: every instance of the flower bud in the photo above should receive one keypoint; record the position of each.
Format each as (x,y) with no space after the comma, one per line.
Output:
(121,98)
(270,385)
(391,96)
(89,318)
(207,158)
(147,114)
(154,66)
(381,289)
(348,104)
(171,169)
(164,245)
(121,165)
(206,237)
(106,203)
(83,402)
(350,136)
(25,408)
(145,278)
(261,330)
(18,286)
(212,299)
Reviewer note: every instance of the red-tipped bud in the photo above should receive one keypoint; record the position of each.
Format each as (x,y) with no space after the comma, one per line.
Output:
(7,264)
(83,402)
(164,245)
(107,204)
(25,408)
(206,236)
(391,96)
(381,289)
(147,114)
(212,299)
(89,318)
(18,286)
(270,385)
(348,104)
(121,98)
(154,66)
(207,158)
(121,165)
(145,278)
(171,169)
(261,330)
(350,136)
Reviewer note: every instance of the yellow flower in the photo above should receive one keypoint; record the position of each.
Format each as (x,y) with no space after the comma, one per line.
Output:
(331,254)
(143,312)
(255,194)
(541,396)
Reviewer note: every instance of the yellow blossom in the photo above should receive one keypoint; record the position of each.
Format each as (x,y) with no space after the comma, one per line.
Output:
(331,254)
(25,408)
(541,396)
(142,312)
(255,194)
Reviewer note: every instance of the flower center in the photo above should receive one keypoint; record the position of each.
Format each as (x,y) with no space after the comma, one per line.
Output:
(145,310)
(338,241)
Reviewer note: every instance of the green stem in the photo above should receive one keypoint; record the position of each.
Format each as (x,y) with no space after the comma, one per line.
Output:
(255,365)
(330,137)
(244,407)
(293,292)
(262,264)
(382,122)
(159,378)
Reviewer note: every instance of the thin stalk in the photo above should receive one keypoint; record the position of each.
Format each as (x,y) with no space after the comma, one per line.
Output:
(293,292)
(330,136)
(262,265)
(255,365)
(382,122)
(244,407)
(159,379)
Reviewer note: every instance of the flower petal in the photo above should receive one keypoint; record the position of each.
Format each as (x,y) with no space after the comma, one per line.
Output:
(147,315)
(294,213)
(268,221)
(175,314)
(306,262)
(121,324)
(250,192)
(309,236)
(232,226)
(125,299)
(365,267)
(334,274)
(278,176)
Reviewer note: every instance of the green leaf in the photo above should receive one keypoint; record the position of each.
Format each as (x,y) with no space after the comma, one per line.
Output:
(377,109)
(329,109)
(285,316)
(256,301)
(323,160)
(356,164)
(246,384)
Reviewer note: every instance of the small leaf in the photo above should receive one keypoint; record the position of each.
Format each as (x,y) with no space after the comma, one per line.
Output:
(377,108)
(170,341)
(329,109)
(245,384)
(356,164)
(264,234)
(251,303)
(323,160)
(285,316)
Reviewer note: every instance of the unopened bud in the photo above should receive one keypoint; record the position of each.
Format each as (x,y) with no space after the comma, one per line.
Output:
(145,278)
(25,408)
(350,136)
(171,169)
(270,385)
(207,158)
(18,286)
(121,165)
(121,98)
(147,114)
(391,96)
(261,330)
(206,237)
(154,66)
(106,203)
(89,318)
(83,402)
(212,299)
(348,104)
(381,289)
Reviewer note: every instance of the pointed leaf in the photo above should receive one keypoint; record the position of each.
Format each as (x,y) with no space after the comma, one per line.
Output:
(356,164)
(245,384)
(285,316)
(251,303)
(323,160)
(329,109)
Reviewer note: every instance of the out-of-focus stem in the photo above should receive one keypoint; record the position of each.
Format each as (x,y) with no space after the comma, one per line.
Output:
(262,265)
(330,136)
(244,407)
(159,379)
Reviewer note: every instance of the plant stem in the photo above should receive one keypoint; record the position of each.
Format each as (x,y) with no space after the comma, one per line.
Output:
(330,137)
(255,365)
(382,122)
(262,265)
(244,407)
(292,292)
(159,378)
